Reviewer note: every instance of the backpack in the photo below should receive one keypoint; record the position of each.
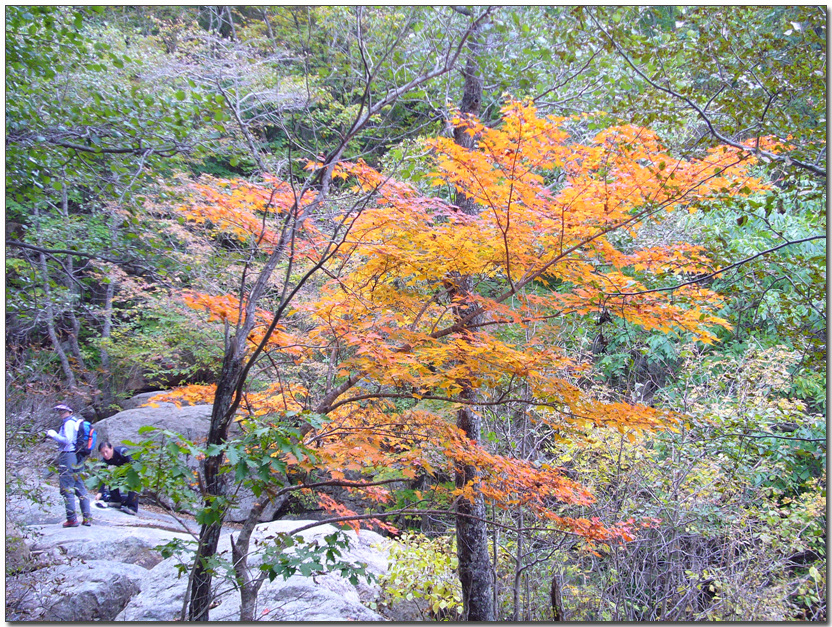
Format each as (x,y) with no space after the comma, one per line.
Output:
(85,439)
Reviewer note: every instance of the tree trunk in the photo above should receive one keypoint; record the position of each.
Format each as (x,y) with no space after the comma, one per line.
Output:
(556,598)
(226,399)
(106,330)
(50,324)
(518,567)
(209,534)
(475,572)
(471,533)
(239,554)
(74,347)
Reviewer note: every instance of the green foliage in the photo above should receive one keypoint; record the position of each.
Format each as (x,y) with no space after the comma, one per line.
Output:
(164,344)
(784,51)
(424,569)
(286,555)
(161,468)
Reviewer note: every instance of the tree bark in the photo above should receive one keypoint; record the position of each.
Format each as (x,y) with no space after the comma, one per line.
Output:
(475,571)
(106,331)
(556,599)
(209,534)
(239,554)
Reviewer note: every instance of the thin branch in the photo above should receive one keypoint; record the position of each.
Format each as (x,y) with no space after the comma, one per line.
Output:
(61,251)
(769,435)
(720,271)
(420,512)
(821,172)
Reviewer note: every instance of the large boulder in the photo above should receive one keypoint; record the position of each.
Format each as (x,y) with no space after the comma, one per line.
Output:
(190,422)
(305,600)
(140,400)
(92,590)
(328,597)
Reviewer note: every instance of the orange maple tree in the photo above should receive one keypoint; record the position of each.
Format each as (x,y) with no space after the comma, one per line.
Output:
(553,240)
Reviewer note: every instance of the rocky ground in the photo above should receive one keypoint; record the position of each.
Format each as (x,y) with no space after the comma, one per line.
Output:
(111,571)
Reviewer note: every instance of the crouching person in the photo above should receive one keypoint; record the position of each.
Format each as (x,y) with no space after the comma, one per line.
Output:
(116,456)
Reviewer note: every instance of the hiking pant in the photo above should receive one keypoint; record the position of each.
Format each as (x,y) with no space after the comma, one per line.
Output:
(69,474)
(114,496)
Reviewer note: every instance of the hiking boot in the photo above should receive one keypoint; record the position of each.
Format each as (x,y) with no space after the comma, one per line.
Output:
(71,523)
(101,505)
(87,522)
(128,510)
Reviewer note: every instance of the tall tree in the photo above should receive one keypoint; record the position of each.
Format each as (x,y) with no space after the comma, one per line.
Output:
(380,318)
(238,361)
(475,569)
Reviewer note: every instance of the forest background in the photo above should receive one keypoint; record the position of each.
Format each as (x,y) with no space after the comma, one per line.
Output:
(538,291)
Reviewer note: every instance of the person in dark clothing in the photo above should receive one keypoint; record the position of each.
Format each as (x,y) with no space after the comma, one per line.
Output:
(116,456)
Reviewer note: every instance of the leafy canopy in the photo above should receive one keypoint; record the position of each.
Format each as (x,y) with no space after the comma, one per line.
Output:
(389,318)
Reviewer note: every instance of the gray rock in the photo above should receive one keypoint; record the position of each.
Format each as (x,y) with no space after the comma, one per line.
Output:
(161,597)
(41,505)
(94,590)
(246,500)
(303,601)
(140,399)
(322,598)
(191,422)
(115,542)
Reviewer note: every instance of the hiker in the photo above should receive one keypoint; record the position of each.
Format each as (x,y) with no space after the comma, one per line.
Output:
(116,456)
(69,472)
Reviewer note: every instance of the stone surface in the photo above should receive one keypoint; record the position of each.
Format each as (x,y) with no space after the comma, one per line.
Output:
(110,571)
(40,504)
(140,399)
(114,541)
(322,598)
(301,601)
(92,590)
(191,422)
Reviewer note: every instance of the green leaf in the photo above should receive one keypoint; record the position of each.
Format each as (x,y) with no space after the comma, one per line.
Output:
(213,450)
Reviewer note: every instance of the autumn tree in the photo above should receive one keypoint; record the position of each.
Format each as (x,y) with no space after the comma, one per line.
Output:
(436,303)
(305,202)
(403,342)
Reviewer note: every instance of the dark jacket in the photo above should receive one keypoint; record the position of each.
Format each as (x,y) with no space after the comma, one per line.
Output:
(119,458)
